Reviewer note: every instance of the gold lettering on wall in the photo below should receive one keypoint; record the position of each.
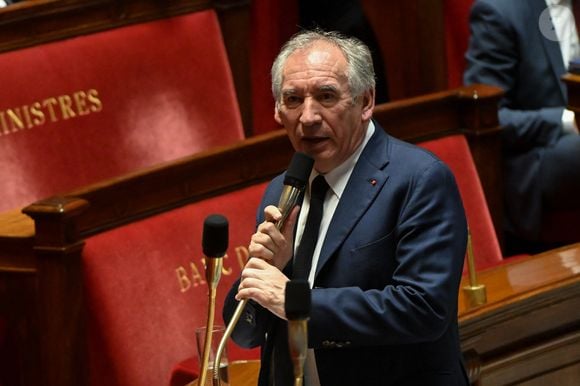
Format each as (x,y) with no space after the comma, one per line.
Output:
(65,103)
(49,104)
(192,276)
(183,279)
(95,102)
(227,271)
(242,255)
(196,276)
(80,98)
(49,110)
(15,119)
(5,130)
(36,111)
(27,117)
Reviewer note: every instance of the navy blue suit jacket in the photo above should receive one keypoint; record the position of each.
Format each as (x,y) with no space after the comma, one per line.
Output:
(384,302)
(509,50)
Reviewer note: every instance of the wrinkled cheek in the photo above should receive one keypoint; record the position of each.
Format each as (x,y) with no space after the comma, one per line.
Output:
(294,139)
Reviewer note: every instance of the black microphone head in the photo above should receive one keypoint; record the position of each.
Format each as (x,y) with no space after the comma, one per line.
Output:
(215,236)
(297,302)
(299,170)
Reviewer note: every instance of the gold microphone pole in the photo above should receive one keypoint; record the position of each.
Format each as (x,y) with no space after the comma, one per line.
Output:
(297,307)
(215,244)
(475,294)
(294,184)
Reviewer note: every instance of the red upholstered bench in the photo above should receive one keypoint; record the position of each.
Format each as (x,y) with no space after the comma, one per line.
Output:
(454,151)
(93,107)
(147,294)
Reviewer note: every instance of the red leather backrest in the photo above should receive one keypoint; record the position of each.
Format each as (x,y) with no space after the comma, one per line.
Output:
(147,292)
(454,151)
(93,107)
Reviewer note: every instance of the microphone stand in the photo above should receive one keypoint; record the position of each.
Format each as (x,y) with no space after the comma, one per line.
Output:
(215,244)
(212,273)
(297,307)
(233,322)
(294,183)
(298,343)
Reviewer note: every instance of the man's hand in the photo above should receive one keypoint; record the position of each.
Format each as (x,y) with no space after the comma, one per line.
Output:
(265,284)
(271,244)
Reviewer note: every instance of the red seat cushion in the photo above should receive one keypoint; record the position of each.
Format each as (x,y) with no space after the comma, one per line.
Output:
(147,293)
(454,151)
(93,107)
(185,372)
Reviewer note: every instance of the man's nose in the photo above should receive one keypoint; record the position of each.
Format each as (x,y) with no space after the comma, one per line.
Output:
(310,112)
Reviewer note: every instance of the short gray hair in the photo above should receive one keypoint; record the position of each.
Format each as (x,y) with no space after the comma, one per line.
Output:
(360,72)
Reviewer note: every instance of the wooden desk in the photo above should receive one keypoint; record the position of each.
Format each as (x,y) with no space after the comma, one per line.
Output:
(527,334)
(529,331)
(241,373)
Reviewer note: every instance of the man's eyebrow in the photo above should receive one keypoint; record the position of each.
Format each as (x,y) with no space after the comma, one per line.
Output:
(328,87)
(289,91)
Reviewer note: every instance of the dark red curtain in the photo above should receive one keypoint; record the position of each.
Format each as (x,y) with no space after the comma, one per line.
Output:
(456,38)
(273,22)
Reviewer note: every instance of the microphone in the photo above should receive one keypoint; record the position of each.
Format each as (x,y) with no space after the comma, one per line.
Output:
(297,306)
(294,183)
(214,245)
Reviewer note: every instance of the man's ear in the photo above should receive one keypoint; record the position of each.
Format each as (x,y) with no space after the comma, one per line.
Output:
(368,104)
(277,114)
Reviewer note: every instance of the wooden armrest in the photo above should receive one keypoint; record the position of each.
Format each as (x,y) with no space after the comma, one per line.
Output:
(15,224)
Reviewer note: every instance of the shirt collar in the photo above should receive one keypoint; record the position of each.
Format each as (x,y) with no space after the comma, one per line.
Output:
(558,2)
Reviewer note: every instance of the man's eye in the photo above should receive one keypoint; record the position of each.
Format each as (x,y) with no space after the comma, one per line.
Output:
(327,98)
(292,100)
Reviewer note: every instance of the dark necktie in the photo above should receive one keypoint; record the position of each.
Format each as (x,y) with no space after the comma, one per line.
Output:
(303,258)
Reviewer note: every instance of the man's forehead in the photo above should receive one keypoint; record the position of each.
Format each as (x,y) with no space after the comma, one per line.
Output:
(319,52)
(318,56)
(318,65)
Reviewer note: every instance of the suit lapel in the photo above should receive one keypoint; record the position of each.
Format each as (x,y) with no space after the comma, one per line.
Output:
(551,47)
(366,181)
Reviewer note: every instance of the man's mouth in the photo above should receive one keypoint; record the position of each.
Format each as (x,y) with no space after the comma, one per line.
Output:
(314,140)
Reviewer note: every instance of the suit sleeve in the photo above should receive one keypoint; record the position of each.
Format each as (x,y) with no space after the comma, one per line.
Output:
(419,301)
(492,58)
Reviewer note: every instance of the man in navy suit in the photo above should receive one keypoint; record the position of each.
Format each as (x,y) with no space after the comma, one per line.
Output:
(524,47)
(388,262)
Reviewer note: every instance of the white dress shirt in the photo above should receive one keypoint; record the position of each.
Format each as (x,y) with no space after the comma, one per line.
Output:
(337,180)
(562,18)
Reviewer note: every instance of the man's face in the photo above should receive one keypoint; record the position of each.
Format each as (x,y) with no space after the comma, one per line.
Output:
(317,108)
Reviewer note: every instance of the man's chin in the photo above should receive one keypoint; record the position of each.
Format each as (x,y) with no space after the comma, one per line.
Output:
(322,163)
